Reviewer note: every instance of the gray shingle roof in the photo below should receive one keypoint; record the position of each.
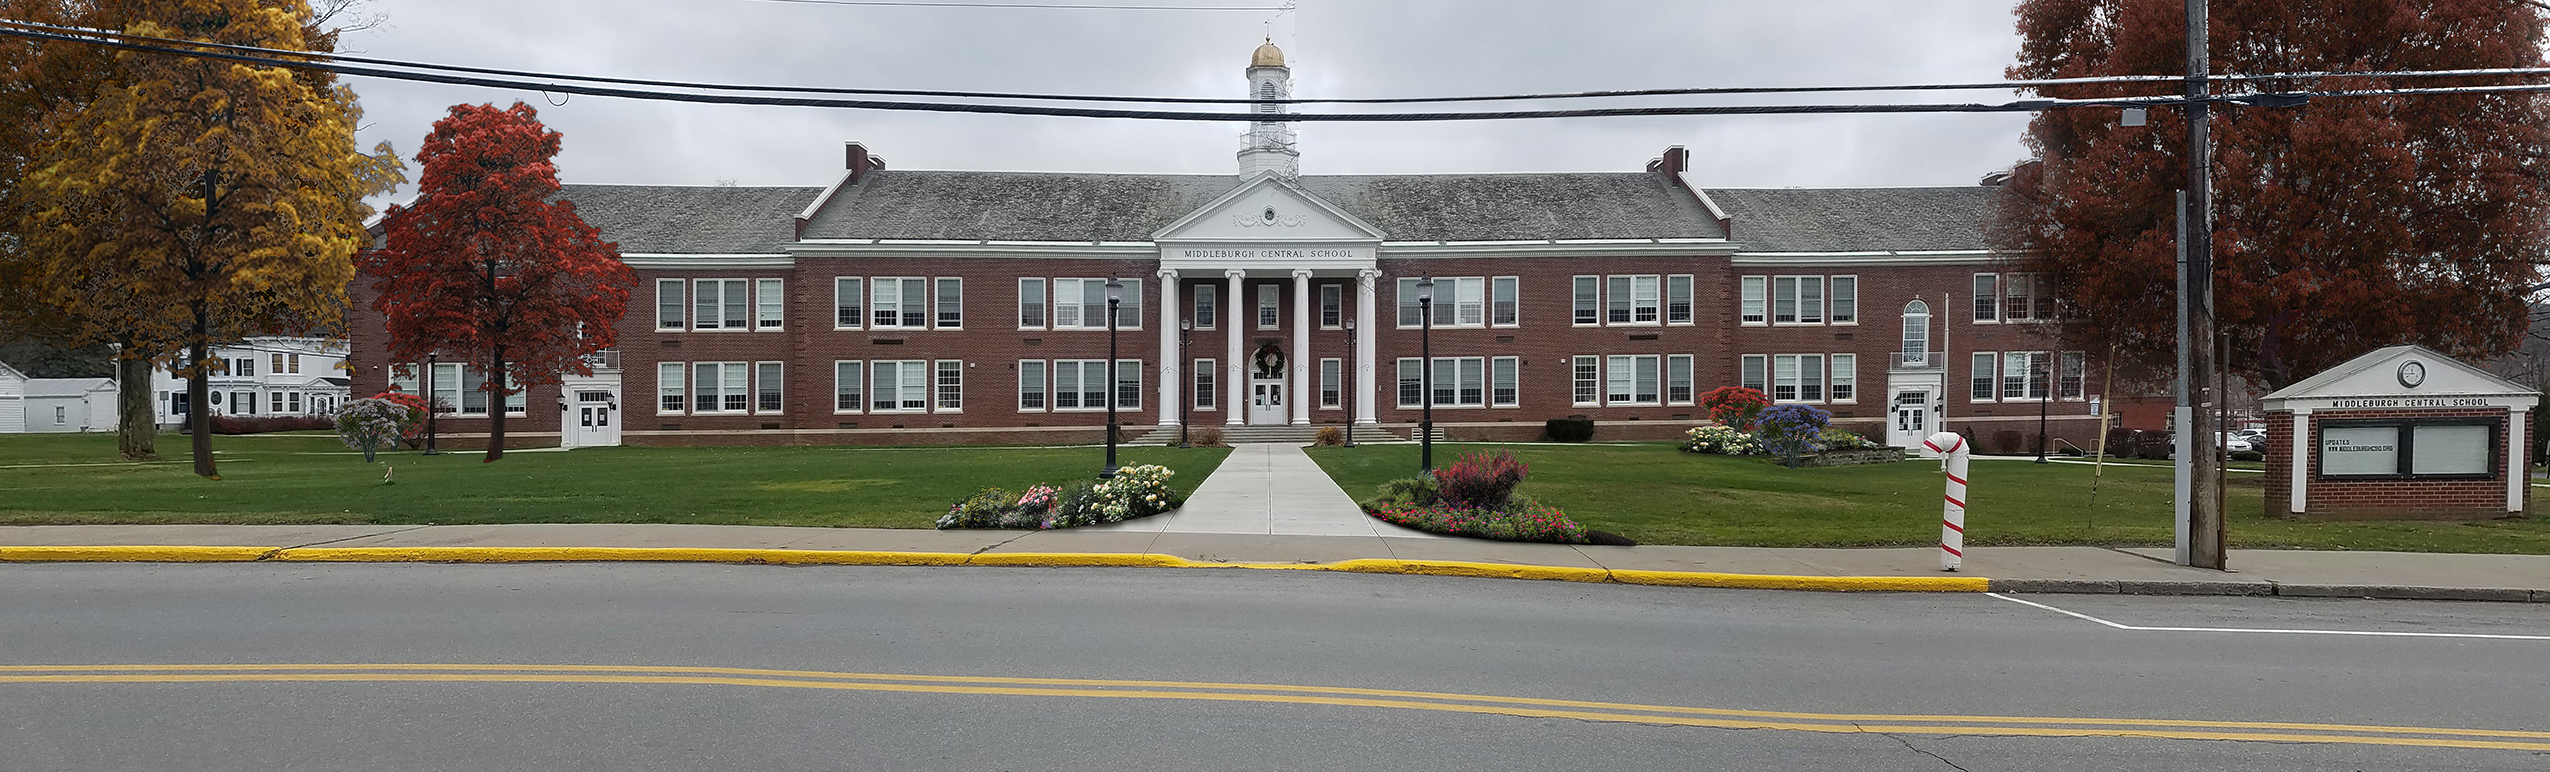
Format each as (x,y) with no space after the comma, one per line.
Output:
(66,387)
(676,219)
(1857,219)
(1125,207)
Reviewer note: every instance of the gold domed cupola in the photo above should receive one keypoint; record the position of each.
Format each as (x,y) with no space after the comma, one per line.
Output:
(1267,56)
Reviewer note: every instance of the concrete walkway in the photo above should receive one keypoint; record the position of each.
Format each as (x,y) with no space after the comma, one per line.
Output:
(1268,489)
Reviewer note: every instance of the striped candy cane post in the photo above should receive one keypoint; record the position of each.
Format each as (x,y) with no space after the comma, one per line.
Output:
(1952,518)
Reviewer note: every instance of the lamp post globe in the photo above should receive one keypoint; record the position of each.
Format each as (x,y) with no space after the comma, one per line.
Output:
(1349,378)
(1115,294)
(1425,372)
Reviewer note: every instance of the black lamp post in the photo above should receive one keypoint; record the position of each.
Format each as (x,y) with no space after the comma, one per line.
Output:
(2043,370)
(1349,378)
(1184,326)
(1115,294)
(429,405)
(1425,372)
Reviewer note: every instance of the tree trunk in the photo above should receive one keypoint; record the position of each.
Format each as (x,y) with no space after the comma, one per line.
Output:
(199,393)
(136,421)
(496,404)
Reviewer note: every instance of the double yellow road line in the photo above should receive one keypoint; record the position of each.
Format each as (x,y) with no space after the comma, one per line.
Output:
(1634,713)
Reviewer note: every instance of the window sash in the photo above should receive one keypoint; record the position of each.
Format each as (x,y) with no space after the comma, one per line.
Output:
(846,379)
(1207,302)
(768,385)
(1678,299)
(1066,384)
(1646,388)
(1753,372)
(1752,293)
(1270,306)
(1845,300)
(951,303)
(1810,377)
(2016,296)
(1411,383)
(1784,378)
(1473,381)
(1678,389)
(1616,309)
(668,387)
(1410,314)
(1332,389)
(849,310)
(1447,382)
(1987,294)
(1332,306)
(1644,300)
(1784,300)
(1810,300)
(771,303)
(1504,381)
(1616,388)
(2014,375)
(1129,384)
(1587,380)
(736,304)
(1588,300)
(1845,386)
(1031,384)
(1204,386)
(951,384)
(1031,303)
(1469,302)
(1985,366)
(1505,301)
(898,303)
(668,304)
(2075,371)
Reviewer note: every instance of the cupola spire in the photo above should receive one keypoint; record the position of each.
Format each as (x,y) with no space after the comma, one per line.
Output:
(1270,148)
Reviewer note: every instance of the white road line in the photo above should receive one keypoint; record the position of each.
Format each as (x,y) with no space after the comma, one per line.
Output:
(2370,633)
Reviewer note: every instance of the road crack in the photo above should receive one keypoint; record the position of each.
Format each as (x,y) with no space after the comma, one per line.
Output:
(1914,748)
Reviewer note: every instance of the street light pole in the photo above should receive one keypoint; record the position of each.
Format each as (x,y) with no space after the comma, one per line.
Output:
(1115,293)
(1425,372)
(1184,326)
(430,406)
(2044,371)
(1349,377)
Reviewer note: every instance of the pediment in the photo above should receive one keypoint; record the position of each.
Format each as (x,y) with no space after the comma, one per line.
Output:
(2401,371)
(1268,208)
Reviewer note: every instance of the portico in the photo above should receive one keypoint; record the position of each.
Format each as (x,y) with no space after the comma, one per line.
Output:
(1281,262)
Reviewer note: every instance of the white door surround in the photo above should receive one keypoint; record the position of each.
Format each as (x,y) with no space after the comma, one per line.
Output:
(1916,403)
(592,413)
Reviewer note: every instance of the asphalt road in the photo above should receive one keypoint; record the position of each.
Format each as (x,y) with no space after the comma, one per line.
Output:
(547,667)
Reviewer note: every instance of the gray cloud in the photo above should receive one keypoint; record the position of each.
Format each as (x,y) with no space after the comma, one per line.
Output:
(1338,48)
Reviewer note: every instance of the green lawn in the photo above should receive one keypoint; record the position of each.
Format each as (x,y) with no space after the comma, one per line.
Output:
(1657,494)
(313,479)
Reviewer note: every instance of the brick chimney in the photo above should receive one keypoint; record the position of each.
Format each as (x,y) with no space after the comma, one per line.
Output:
(858,161)
(1674,162)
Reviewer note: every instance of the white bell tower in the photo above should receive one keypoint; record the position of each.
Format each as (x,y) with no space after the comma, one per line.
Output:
(1270,143)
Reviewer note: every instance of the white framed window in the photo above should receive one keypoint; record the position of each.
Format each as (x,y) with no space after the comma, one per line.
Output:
(899,386)
(1332,388)
(1588,301)
(1411,314)
(1588,374)
(1985,364)
(770,298)
(1753,372)
(1505,301)
(1845,386)
(294,397)
(1845,299)
(1204,379)
(770,382)
(1081,384)
(1635,379)
(2044,292)
(1468,306)
(720,304)
(1411,383)
(951,303)
(1332,306)
(1505,376)
(1678,299)
(849,304)
(458,390)
(1644,299)
(1917,333)
(1031,385)
(669,399)
(2018,294)
(1208,302)
(2074,379)
(719,387)
(668,304)
(1987,297)
(1081,304)
(1751,294)
(1797,300)
(951,385)
(275,364)
(1458,382)
(1270,306)
(1797,377)
(1678,380)
(898,303)
(294,361)
(847,377)
(1031,304)
(1129,384)
(2016,369)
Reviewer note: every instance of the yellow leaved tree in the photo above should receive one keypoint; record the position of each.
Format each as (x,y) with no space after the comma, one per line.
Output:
(201,200)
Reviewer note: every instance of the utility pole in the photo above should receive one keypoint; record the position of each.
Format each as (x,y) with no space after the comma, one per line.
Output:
(2202,537)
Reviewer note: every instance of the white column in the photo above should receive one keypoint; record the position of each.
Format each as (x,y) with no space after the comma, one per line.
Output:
(1172,361)
(1302,321)
(1234,370)
(1365,326)
(2518,467)
(2301,461)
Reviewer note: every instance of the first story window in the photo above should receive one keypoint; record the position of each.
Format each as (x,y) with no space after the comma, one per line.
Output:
(1031,385)
(1588,374)
(1332,390)
(1505,381)
(847,377)
(1678,384)
(2028,375)
(1985,364)
(1204,375)
(1797,378)
(718,387)
(1129,384)
(1753,372)
(668,387)
(1457,382)
(456,389)
(951,385)
(769,382)
(1845,385)
(1081,384)
(2073,376)
(1633,381)
(899,386)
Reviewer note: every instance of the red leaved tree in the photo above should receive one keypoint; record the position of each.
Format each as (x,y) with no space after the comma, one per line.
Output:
(487,267)
(2340,226)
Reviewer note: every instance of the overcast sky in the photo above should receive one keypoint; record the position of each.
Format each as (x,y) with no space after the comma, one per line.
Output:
(1337,48)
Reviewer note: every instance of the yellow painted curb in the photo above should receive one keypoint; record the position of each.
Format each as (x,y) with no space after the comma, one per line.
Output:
(1826,583)
(187,554)
(133,554)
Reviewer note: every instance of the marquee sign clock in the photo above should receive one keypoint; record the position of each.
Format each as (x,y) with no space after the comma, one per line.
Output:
(2412,373)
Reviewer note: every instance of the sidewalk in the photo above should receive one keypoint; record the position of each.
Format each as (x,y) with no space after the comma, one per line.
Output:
(2012,569)
(1268,489)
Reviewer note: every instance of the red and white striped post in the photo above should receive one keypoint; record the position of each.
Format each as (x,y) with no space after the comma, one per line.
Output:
(1951,448)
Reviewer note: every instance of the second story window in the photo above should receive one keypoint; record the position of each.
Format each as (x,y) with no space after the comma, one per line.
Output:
(720,304)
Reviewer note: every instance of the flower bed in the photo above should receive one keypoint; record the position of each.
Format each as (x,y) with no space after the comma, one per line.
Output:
(1135,491)
(1475,497)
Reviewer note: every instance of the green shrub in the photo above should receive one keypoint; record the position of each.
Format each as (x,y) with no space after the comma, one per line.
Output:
(1418,491)
(1575,428)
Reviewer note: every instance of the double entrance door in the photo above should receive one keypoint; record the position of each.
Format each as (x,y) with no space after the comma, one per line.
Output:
(1913,418)
(590,422)
(1266,402)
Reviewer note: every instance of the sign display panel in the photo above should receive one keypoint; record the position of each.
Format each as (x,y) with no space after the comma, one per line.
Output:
(2347,451)
(2451,450)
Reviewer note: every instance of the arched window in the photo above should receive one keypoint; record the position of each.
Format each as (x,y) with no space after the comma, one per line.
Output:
(1916,332)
